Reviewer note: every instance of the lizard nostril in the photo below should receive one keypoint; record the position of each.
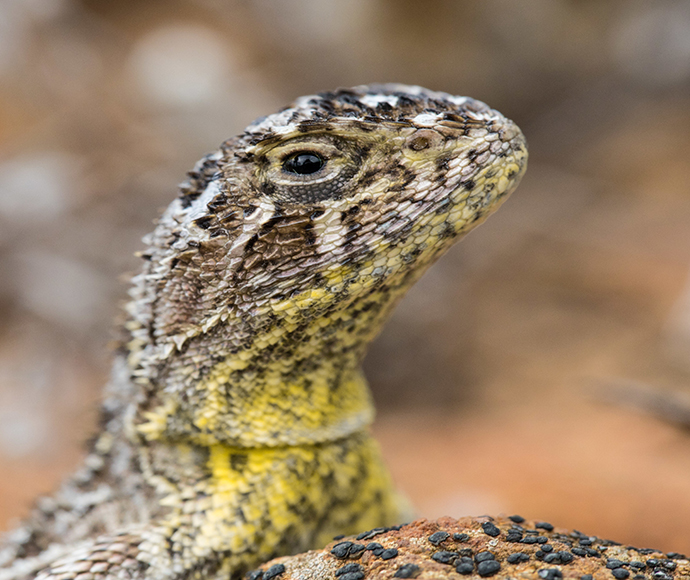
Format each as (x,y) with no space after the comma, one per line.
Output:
(419,143)
(422,139)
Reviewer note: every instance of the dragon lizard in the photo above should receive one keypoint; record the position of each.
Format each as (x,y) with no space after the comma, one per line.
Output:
(235,425)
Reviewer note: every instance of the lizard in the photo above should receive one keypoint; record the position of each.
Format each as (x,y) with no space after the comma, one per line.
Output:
(235,425)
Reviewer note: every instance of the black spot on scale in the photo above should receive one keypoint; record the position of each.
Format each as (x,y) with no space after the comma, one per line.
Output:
(309,238)
(249,246)
(204,222)
(311,126)
(350,212)
(238,461)
(367,125)
(453,117)
(188,197)
(217,203)
(442,207)
(442,164)
(367,178)
(448,230)
(469,184)
(268,189)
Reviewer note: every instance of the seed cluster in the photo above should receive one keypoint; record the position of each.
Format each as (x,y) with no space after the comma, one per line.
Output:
(497,548)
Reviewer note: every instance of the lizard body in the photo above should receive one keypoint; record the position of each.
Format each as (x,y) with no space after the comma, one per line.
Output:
(235,425)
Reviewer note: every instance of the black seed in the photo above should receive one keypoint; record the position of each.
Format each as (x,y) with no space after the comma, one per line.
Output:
(255,575)
(676,556)
(484,556)
(461,537)
(544,526)
(566,557)
(552,558)
(437,537)
(550,573)
(488,568)
(612,563)
(356,550)
(513,537)
(349,569)
(529,540)
(516,519)
(389,554)
(445,557)
(407,571)
(466,552)
(620,573)
(586,577)
(273,571)
(341,550)
(579,552)
(352,576)
(660,575)
(371,533)
(669,565)
(592,552)
(375,547)
(490,529)
(518,557)
(465,567)
(547,548)
(542,539)
(339,537)
(637,565)
(585,542)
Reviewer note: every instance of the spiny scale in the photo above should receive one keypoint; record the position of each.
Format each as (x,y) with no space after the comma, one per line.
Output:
(235,425)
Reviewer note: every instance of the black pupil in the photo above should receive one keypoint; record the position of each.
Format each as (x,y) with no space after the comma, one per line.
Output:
(304,163)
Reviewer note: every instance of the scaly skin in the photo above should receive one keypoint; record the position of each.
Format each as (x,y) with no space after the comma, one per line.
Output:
(236,423)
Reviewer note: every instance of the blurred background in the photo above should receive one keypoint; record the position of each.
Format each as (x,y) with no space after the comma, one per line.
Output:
(542,367)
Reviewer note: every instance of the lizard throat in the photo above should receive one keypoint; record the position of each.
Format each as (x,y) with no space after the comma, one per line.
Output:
(298,382)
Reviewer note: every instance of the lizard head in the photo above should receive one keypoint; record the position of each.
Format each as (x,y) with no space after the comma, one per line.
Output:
(286,249)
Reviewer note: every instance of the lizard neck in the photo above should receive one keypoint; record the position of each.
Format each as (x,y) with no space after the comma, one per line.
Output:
(295,378)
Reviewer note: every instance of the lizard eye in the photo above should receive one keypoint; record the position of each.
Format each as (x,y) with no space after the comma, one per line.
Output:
(304,163)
